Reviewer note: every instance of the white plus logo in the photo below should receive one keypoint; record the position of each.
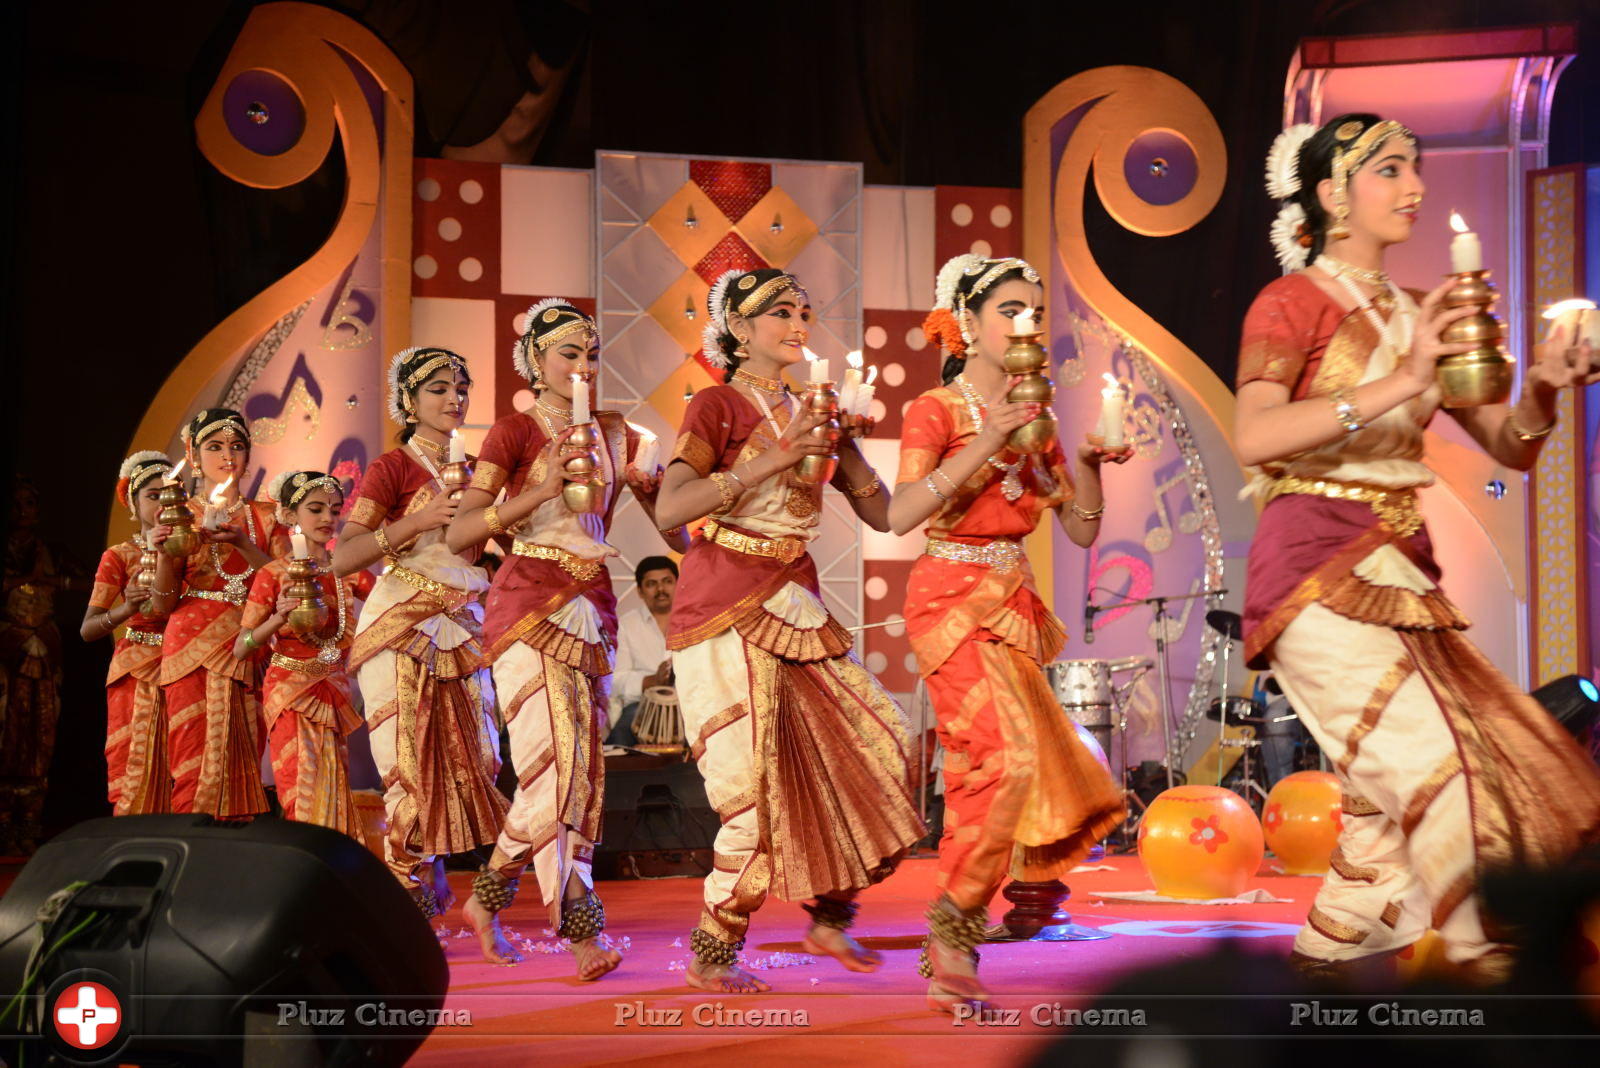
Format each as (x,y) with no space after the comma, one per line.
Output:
(87,1015)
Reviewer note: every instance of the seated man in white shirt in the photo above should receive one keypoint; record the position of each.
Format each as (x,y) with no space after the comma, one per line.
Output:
(642,658)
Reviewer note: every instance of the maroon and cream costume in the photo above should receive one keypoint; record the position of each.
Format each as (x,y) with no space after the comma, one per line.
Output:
(418,660)
(805,757)
(550,633)
(1448,770)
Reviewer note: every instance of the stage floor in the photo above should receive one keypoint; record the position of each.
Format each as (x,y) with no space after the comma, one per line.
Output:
(538,1011)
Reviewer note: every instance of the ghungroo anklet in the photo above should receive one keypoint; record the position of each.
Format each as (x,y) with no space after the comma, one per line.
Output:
(582,918)
(493,890)
(831,912)
(426,900)
(708,949)
(963,931)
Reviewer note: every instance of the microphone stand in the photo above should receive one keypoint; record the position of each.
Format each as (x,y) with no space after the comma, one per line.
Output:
(1163,668)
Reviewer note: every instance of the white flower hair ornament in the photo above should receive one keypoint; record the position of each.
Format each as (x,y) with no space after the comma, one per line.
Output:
(397,398)
(280,486)
(950,275)
(1287,233)
(717,320)
(1283,161)
(140,459)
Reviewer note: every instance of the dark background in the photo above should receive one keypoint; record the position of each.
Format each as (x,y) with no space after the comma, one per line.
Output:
(124,246)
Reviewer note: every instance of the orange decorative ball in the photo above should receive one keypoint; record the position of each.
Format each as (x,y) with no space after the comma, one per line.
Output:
(1302,821)
(1200,842)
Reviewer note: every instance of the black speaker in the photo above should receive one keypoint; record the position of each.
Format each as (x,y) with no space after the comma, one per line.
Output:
(657,821)
(180,940)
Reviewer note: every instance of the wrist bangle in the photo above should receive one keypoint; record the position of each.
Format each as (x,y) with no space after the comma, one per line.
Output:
(948,481)
(743,485)
(250,643)
(933,488)
(1525,436)
(491,516)
(382,538)
(725,490)
(869,490)
(1345,410)
(1088,516)
(160,593)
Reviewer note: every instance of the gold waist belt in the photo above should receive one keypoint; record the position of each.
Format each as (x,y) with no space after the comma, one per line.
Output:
(1000,555)
(1396,507)
(144,637)
(444,594)
(579,568)
(315,667)
(784,550)
(218,595)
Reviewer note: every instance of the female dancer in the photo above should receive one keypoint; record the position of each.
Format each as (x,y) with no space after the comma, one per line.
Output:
(306,692)
(418,654)
(551,628)
(138,779)
(804,755)
(215,733)
(1022,795)
(1447,769)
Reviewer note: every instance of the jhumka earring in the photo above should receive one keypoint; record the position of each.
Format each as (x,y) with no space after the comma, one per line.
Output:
(739,348)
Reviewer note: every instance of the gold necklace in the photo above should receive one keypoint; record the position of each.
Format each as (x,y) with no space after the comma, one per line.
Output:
(546,411)
(1010,483)
(1377,279)
(328,648)
(434,447)
(754,381)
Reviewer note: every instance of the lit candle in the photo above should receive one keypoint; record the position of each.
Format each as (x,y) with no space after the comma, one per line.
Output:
(819,367)
(297,542)
(458,449)
(214,514)
(1023,323)
(1111,412)
(1466,251)
(851,383)
(644,461)
(1578,315)
(863,399)
(580,400)
(172,476)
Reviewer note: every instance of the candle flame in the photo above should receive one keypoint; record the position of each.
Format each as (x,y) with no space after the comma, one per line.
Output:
(297,529)
(219,494)
(853,358)
(872,375)
(1560,308)
(1111,381)
(1457,223)
(172,476)
(810,356)
(643,432)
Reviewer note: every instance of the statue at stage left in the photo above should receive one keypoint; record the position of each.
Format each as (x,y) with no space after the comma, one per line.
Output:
(1448,770)
(215,731)
(550,625)
(1023,796)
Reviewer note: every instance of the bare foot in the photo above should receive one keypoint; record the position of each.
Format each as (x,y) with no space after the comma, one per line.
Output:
(594,960)
(441,887)
(723,979)
(496,950)
(947,1001)
(832,942)
(954,973)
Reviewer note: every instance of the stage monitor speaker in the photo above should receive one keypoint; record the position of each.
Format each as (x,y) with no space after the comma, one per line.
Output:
(657,820)
(1573,700)
(179,940)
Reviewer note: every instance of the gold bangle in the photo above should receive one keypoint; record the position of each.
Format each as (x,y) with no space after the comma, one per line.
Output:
(1522,435)
(382,538)
(934,489)
(869,490)
(491,516)
(1088,516)
(725,490)
(743,485)
(1344,410)
(250,643)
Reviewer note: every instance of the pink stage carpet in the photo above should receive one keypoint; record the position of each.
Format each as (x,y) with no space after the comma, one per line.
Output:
(537,1012)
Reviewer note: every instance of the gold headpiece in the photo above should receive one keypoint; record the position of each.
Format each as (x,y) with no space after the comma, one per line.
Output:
(1349,158)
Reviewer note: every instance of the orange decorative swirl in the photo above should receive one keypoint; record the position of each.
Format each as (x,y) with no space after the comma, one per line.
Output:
(311,48)
(1121,104)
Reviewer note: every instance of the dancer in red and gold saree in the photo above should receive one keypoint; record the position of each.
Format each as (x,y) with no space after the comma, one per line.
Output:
(1023,797)
(215,731)
(805,757)
(550,628)
(135,589)
(306,692)
(1448,769)
(418,652)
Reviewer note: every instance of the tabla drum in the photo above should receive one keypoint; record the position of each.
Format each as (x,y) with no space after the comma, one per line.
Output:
(659,724)
(1084,689)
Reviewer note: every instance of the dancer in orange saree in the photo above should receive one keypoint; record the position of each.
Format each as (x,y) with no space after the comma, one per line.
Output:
(418,652)
(138,778)
(1023,797)
(306,692)
(805,756)
(215,732)
(551,629)
(1448,770)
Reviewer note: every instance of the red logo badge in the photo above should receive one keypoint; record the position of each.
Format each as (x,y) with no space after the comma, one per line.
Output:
(87,1015)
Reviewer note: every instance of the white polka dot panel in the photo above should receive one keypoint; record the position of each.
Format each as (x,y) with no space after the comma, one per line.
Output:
(982,248)
(520,323)
(523,398)
(911,663)
(428,189)
(450,229)
(876,337)
(961,214)
(471,269)
(425,266)
(894,374)
(897,628)
(904,408)
(877,588)
(880,411)
(916,340)
(877,663)
(1000,215)
(471,191)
